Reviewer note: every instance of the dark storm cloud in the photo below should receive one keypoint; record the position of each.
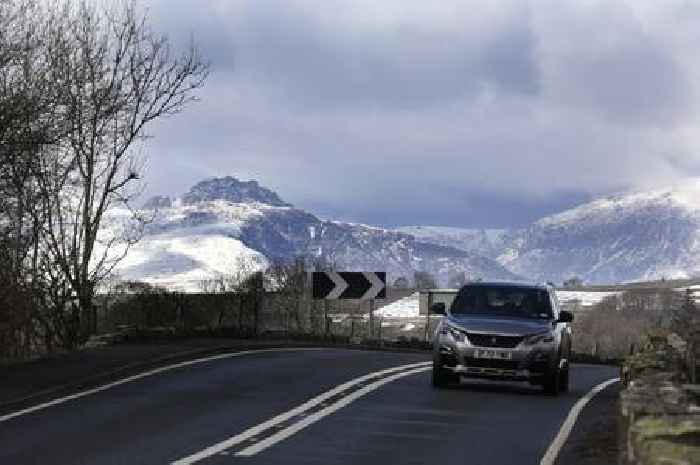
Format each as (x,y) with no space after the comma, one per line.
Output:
(297,59)
(459,113)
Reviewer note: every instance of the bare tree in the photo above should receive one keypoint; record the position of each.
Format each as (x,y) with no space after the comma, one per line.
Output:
(114,76)
(233,287)
(30,122)
(287,280)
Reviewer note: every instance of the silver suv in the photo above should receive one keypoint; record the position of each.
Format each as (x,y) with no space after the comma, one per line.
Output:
(503,331)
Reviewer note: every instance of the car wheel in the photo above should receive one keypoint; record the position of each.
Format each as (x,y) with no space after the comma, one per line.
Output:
(442,378)
(552,382)
(564,380)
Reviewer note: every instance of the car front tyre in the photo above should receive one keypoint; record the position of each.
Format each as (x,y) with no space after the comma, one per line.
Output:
(441,377)
(564,380)
(552,382)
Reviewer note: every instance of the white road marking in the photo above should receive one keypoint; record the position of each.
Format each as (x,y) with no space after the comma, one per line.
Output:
(318,400)
(313,418)
(145,374)
(553,451)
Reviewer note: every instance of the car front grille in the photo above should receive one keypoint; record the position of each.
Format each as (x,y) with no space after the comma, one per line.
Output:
(493,340)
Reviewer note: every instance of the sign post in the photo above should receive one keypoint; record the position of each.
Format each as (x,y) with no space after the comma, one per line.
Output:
(366,285)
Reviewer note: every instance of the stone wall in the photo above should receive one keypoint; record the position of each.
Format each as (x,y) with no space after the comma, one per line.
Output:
(661,411)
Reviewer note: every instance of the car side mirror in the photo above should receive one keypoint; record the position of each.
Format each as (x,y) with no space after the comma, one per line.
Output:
(438,308)
(565,317)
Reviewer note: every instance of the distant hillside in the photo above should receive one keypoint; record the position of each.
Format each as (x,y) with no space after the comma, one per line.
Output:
(630,237)
(638,236)
(486,242)
(224,223)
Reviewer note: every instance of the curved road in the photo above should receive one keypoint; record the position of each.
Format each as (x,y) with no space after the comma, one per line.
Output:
(392,417)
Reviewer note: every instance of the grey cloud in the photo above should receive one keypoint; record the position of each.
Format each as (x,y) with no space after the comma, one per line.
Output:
(527,109)
(603,59)
(294,57)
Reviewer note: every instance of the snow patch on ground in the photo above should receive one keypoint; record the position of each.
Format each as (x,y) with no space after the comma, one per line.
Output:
(408,307)
(402,308)
(584,298)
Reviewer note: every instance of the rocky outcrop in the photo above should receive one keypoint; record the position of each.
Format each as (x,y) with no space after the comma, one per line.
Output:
(232,190)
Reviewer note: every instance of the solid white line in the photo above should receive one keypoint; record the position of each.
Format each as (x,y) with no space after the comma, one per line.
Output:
(313,418)
(553,451)
(129,379)
(255,430)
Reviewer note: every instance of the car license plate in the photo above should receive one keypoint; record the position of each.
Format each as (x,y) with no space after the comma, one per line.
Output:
(493,354)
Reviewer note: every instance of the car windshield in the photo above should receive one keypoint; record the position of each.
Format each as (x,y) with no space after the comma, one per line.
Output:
(521,302)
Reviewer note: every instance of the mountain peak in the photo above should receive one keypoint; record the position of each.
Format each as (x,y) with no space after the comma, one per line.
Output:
(233,190)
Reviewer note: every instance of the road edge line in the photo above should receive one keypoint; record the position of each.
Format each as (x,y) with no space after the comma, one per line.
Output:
(111,373)
(145,374)
(560,439)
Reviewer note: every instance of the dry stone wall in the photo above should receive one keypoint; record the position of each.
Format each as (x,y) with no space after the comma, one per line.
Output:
(661,410)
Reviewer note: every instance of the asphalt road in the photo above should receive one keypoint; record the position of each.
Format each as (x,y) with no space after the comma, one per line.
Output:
(388,418)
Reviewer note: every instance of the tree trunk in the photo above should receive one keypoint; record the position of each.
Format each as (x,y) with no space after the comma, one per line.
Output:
(692,363)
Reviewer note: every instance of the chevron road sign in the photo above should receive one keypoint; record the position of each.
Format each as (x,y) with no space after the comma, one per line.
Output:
(349,285)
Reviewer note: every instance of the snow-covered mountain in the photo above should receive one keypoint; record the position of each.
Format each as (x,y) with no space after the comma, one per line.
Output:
(223,224)
(628,237)
(487,242)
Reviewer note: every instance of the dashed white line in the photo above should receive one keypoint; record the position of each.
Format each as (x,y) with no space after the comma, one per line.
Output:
(553,451)
(311,403)
(145,374)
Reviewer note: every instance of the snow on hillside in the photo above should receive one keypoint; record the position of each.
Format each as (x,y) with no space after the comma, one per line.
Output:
(685,197)
(627,237)
(641,235)
(183,261)
(486,242)
(223,220)
(182,246)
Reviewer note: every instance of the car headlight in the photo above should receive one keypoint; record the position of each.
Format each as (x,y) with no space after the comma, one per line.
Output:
(543,338)
(456,333)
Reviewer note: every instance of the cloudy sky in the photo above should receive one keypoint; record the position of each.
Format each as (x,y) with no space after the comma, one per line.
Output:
(395,112)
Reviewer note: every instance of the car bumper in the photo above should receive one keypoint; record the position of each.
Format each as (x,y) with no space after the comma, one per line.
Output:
(530,364)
